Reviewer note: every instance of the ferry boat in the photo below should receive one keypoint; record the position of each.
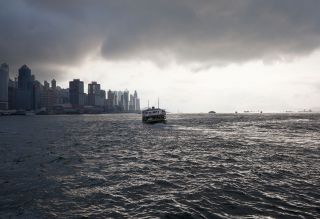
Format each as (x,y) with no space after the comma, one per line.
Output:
(153,115)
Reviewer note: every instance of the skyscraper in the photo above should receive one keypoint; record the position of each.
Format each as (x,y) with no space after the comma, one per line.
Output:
(136,101)
(119,97)
(137,104)
(24,94)
(63,96)
(48,95)
(46,85)
(111,101)
(4,80)
(94,88)
(96,96)
(53,84)
(126,100)
(131,103)
(76,92)
(12,89)
(54,91)
(36,95)
(24,78)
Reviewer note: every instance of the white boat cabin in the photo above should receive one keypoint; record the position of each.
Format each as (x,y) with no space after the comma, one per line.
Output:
(153,112)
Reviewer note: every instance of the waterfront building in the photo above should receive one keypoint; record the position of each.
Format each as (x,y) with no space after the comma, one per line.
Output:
(85,99)
(110,106)
(96,96)
(119,95)
(53,84)
(48,96)
(12,87)
(24,78)
(24,92)
(111,98)
(94,88)
(137,105)
(63,96)
(131,103)
(36,95)
(136,101)
(46,85)
(76,93)
(126,100)
(4,80)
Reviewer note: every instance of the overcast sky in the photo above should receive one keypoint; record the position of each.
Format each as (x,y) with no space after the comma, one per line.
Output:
(195,55)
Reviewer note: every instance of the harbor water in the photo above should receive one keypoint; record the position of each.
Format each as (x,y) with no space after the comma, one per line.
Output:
(195,166)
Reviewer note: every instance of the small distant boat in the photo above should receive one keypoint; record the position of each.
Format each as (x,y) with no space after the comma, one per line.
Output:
(212,112)
(154,115)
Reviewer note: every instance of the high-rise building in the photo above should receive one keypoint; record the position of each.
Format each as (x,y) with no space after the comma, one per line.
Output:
(119,97)
(96,96)
(131,103)
(4,80)
(103,94)
(46,85)
(111,101)
(48,96)
(63,96)
(53,84)
(76,93)
(126,100)
(94,88)
(137,104)
(111,97)
(25,78)
(136,101)
(36,95)
(24,93)
(12,90)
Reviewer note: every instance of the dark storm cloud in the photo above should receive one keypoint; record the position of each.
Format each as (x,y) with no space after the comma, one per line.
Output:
(212,31)
(226,31)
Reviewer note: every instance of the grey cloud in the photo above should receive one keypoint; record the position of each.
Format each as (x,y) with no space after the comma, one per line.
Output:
(200,31)
(38,37)
(216,31)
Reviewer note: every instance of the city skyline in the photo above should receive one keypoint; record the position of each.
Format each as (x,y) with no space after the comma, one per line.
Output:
(26,93)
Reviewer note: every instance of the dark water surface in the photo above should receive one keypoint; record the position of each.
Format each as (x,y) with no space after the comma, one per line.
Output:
(196,166)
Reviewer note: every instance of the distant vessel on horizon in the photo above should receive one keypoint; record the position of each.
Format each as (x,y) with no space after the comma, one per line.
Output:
(305,111)
(249,111)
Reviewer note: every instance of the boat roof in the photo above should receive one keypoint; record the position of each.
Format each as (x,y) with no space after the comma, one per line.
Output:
(153,108)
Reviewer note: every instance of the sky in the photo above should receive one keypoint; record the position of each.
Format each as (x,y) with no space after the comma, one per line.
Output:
(195,55)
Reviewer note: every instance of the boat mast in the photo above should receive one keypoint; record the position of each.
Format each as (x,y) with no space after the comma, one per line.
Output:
(148,104)
(158,103)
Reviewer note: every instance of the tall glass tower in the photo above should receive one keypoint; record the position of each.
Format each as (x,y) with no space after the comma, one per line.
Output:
(4,80)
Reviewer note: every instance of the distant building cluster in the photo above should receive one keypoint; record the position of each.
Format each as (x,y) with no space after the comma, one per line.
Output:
(28,94)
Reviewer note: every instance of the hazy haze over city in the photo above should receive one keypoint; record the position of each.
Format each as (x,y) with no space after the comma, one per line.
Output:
(195,55)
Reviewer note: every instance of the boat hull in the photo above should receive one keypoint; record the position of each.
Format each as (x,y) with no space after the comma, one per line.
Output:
(153,120)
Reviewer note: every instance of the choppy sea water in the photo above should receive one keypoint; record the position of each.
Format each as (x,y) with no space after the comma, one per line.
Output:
(195,166)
